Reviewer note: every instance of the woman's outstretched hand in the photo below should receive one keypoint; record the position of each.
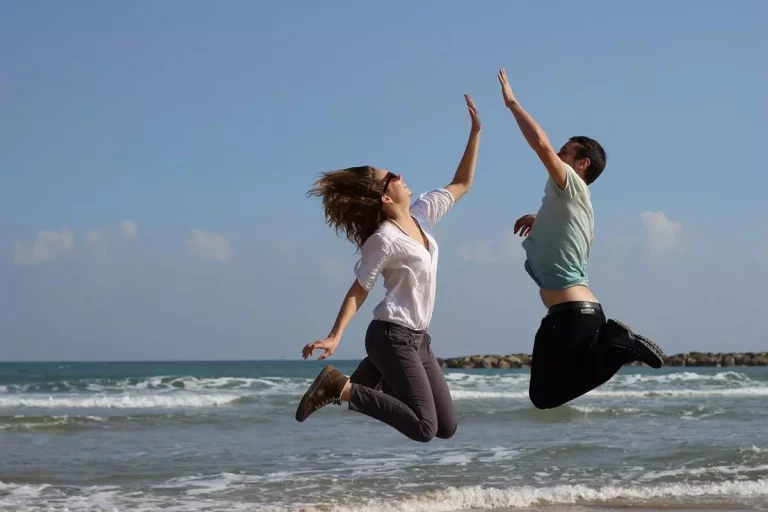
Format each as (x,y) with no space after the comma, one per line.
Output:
(327,344)
(473,115)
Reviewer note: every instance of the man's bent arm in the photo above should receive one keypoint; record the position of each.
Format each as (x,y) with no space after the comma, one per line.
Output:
(539,141)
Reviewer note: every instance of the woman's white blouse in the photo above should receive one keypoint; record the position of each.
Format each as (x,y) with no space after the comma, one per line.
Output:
(408,268)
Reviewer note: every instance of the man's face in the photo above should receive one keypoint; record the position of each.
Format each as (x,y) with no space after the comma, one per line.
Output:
(568,155)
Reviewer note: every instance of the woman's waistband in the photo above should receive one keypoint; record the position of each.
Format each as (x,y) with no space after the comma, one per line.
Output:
(399,326)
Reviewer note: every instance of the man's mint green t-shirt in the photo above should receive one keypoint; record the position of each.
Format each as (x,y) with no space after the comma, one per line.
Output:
(558,246)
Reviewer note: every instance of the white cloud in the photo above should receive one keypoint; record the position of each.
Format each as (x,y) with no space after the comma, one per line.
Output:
(94,235)
(129,229)
(47,246)
(661,234)
(210,246)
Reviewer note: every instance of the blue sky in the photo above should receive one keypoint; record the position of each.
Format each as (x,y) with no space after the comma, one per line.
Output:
(154,158)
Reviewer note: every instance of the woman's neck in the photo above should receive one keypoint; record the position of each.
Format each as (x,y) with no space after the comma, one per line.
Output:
(400,215)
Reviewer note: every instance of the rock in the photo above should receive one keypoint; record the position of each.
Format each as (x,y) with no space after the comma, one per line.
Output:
(483,363)
(689,359)
(676,360)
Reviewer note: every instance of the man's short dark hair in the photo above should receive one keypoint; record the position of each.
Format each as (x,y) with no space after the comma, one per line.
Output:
(590,148)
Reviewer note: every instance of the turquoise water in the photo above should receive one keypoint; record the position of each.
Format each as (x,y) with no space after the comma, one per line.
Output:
(220,436)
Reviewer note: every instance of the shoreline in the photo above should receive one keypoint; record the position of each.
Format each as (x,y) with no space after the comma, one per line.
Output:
(693,359)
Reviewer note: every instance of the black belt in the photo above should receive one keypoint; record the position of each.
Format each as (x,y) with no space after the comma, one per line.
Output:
(581,306)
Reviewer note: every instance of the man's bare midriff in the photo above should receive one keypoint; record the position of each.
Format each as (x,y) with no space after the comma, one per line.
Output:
(574,293)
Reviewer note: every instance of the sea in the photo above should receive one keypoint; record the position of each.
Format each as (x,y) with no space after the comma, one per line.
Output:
(221,436)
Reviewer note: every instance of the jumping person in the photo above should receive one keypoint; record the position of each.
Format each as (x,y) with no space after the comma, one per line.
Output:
(575,349)
(372,207)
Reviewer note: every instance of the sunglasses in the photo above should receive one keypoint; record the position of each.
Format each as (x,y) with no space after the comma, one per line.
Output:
(390,176)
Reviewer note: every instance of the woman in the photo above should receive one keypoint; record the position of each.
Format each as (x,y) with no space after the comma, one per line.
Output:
(371,206)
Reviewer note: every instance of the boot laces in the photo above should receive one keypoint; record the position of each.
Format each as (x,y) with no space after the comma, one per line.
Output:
(336,400)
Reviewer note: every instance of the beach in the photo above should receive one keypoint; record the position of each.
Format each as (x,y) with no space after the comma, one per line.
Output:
(221,436)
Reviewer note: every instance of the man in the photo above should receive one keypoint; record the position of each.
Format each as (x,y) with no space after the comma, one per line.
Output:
(576,349)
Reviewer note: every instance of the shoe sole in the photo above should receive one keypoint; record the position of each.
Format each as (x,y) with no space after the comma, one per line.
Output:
(318,380)
(648,344)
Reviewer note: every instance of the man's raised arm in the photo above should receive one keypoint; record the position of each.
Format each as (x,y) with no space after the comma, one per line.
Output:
(534,134)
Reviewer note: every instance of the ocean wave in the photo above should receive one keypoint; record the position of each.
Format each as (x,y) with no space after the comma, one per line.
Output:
(44,498)
(463,384)
(272,385)
(62,423)
(124,401)
(462,394)
(73,423)
(740,469)
(171,392)
(755,450)
(604,411)
(729,379)
(720,377)
(484,498)
(199,497)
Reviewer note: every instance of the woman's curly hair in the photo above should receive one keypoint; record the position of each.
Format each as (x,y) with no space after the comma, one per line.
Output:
(352,201)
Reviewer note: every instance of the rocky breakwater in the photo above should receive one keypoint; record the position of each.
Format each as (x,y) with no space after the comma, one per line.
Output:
(689,359)
(491,361)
